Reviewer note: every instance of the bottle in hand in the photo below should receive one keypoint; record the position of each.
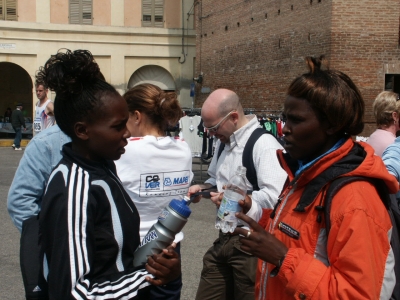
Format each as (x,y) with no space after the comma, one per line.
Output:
(235,191)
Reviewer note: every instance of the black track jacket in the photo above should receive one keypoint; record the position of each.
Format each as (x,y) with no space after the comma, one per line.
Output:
(89,229)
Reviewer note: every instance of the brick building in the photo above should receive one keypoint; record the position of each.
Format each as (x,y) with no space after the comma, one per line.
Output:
(257,47)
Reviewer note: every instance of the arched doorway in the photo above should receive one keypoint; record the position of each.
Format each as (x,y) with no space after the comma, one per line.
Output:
(155,75)
(15,87)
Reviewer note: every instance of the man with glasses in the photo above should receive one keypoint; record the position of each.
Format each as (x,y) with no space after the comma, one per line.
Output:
(228,272)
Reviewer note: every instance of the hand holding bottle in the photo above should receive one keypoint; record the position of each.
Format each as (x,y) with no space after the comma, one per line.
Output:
(235,191)
(165,266)
(216,198)
(245,204)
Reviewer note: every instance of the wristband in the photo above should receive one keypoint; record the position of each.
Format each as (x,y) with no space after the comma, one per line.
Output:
(275,270)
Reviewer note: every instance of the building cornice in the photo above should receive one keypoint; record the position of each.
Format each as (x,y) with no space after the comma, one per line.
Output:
(89,29)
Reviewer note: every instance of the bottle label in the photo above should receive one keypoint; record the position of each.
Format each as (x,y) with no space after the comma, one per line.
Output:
(164,214)
(227,209)
(150,236)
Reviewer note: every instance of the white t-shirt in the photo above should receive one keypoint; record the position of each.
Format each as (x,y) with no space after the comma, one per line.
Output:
(154,171)
(188,125)
(42,120)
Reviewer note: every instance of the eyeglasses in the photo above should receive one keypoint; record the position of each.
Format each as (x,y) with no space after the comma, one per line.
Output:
(214,129)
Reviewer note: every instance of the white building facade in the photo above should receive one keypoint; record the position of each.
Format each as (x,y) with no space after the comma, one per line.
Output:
(133,41)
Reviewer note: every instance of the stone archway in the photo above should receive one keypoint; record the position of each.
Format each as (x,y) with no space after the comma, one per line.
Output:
(15,87)
(155,75)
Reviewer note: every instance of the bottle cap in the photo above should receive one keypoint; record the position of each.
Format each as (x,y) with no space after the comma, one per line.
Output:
(180,207)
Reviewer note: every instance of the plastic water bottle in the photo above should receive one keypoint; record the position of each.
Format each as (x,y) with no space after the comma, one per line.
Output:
(171,221)
(235,191)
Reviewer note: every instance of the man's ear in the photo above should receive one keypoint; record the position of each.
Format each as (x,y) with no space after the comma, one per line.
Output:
(235,117)
(81,131)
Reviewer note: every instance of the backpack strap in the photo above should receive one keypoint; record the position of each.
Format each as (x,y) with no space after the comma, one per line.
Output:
(338,183)
(247,156)
(220,149)
(391,204)
(395,242)
(334,187)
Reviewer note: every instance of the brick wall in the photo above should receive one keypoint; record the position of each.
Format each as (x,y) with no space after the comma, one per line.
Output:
(257,47)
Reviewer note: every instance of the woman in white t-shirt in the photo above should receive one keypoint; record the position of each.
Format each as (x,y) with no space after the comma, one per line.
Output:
(155,168)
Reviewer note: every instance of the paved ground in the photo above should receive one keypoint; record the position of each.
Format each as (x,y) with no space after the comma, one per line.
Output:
(199,235)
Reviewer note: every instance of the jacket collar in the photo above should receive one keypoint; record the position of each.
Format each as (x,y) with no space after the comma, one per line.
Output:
(313,178)
(87,164)
(240,136)
(64,139)
(346,165)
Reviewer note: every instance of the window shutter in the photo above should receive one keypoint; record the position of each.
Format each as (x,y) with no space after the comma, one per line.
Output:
(10,10)
(159,13)
(147,13)
(87,12)
(74,12)
(2,9)
(80,12)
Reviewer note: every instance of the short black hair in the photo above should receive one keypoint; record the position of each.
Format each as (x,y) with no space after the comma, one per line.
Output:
(332,95)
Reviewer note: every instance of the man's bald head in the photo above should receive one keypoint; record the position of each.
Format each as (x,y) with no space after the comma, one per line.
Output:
(223,109)
(221,102)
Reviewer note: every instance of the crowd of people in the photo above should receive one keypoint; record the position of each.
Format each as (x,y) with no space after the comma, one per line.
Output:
(96,180)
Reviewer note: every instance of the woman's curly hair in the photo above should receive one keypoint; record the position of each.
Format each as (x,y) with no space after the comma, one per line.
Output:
(78,83)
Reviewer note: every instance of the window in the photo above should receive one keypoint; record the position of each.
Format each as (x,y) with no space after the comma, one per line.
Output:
(80,12)
(392,83)
(8,10)
(153,13)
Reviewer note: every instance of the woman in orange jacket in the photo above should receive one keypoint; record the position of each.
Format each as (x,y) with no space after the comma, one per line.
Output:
(298,259)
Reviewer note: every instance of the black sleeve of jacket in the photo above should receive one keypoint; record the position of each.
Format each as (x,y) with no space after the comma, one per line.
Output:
(68,240)
(21,119)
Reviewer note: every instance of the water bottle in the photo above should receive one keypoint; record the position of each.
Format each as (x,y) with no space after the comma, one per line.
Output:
(235,191)
(171,221)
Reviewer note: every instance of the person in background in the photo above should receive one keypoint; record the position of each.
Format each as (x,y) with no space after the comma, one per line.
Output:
(24,199)
(155,168)
(229,272)
(44,109)
(41,155)
(88,230)
(387,113)
(17,122)
(297,257)
(7,115)
(391,159)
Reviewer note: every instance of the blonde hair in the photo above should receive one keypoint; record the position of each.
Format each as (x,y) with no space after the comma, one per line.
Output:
(384,105)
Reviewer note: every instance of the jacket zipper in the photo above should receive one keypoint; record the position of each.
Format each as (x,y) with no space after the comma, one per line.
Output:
(119,184)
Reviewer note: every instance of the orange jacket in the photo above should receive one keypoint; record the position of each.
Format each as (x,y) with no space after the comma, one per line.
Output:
(355,261)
